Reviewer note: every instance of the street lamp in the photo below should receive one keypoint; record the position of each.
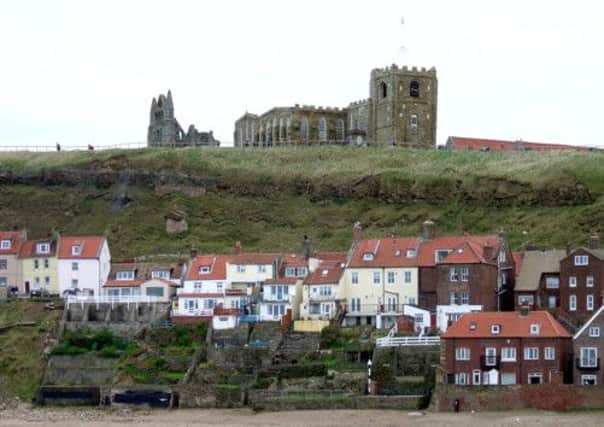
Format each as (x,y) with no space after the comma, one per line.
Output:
(369,376)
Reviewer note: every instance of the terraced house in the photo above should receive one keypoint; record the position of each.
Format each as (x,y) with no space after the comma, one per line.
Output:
(39,264)
(322,292)
(588,348)
(538,279)
(10,265)
(84,264)
(284,292)
(154,281)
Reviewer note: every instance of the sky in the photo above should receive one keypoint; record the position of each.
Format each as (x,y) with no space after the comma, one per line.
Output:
(85,72)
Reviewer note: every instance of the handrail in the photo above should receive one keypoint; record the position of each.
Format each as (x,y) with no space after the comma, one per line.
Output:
(407,341)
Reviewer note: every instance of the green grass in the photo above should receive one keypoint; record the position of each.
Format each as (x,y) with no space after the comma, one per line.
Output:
(269,199)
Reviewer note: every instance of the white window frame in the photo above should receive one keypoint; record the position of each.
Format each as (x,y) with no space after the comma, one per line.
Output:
(535,328)
(354,277)
(76,250)
(582,358)
(461,378)
(462,353)
(261,268)
(581,260)
(508,354)
(589,302)
(160,274)
(43,248)
(531,353)
(5,244)
(465,274)
(290,272)
(240,268)
(552,282)
(526,299)
(572,303)
(589,377)
(495,329)
(549,353)
(476,375)
(411,253)
(391,277)
(534,374)
(572,282)
(408,277)
(453,274)
(368,256)
(490,352)
(205,269)
(124,275)
(589,281)
(465,298)
(377,278)
(594,331)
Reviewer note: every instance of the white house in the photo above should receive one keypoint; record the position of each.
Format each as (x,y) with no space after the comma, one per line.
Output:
(422,318)
(249,271)
(446,315)
(84,263)
(322,291)
(154,282)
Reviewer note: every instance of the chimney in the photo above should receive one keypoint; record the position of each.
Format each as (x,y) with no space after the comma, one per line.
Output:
(238,249)
(524,310)
(307,248)
(428,230)
(193,252)
(487,251)
(568,250)
(357,232)
(594,241)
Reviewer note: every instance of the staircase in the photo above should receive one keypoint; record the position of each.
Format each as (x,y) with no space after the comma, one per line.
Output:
(340,314)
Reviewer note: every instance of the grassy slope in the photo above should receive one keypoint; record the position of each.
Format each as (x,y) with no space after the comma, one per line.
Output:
(21,365)
(278,220)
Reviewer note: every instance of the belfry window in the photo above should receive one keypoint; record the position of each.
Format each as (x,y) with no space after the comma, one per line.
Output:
(383,90)
(414,89)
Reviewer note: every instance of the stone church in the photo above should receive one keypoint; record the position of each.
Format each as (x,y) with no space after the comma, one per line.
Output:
(401,110)
(165,131)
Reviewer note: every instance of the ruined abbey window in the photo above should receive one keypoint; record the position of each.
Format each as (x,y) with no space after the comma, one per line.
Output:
(383,90)
(287,124)
(322,129)
(281,130)
(304,129)
(340,130)
(414,89)
(414,122)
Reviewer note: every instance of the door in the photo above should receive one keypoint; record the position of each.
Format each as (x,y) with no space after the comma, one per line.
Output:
(493,377)
(27,287)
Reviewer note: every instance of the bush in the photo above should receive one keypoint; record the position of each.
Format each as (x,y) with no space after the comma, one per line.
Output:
(109,352)
(67,350)
(331,337)
(302,371)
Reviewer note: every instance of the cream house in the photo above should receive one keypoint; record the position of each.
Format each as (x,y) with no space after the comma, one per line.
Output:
(322,291)
(39,266)
(381,276)
(10,265)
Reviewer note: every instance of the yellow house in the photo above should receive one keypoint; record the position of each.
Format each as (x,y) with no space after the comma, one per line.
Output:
(380,278)
(39,266)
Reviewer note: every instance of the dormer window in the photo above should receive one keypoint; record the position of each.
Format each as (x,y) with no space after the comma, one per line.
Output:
(160,274)
(441,254)
(581,260)
(76,250)
(411,253)
(495,329)
(473,326)
(290,272)
(42,248)
(5,244)
(204,269)
(535,329)
(368,256)
(124,275)
(324,272)
(397,253)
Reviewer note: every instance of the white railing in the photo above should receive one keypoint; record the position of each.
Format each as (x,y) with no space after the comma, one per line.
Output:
(113,299)
(406,341)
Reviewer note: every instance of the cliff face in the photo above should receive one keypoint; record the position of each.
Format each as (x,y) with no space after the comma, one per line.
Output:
(269,199)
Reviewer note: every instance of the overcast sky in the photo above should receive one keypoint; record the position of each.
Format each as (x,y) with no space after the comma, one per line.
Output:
(84,72)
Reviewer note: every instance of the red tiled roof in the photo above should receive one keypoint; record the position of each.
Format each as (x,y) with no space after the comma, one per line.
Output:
(28,248)
(282,281)
(384,252)
(478,144)
(217,264)
(513,325)
(16,239)
(294,261)
(201,295)
(468,253)
(91,246)
(328,272)
(426,257)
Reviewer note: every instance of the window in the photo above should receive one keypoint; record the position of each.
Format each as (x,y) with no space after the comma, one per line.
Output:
(407,277)
(47,280)
(508,379)
(508,354)
(572,281)
(581,260)
(531,353)
(535,329)
(45,262)
(368,256)
(414,89)
(414,122)
(340,130)
(589,281)
(290,272)
(301,272)
(322,129)
(572,303)
(240,268)
(74,283)
(526,300)
(355,304)
(5,244)
(490,357)
(588,380)
(325,291)
(2,281)
(37,281)
(549,353)
(304,129)
(42,248)
(535,378)
(160,274)
(76,250)
(383,90)
(354,278)
(476,377)
(197,286)
(75,266)
(465,298)
(453,298)
(391,277)
(3,264)
(204,269)
(495,329)
(465,274)
(262,269)
(411,301)
(397,253)
(377,278)
(411,253)
(441,254)
(462,353)
(154,291)
(461,379)
(589,357)
(124,275)
(219,286)
(594,331)
(589,302)
(36,264)
(552,282)
(453,274)
(209,303)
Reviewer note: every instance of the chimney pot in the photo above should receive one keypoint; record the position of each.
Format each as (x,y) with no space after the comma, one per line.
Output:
(357,232)
(524,310)
(594,241)
(428,230)
(238,248)
(193,252)
(487,251)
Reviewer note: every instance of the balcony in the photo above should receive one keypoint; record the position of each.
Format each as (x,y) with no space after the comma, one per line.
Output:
(490,362)
(320,298)
(582,367)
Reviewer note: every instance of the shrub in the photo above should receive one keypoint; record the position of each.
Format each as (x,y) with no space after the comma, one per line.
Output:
(67,350)
(109,352)
(301,371)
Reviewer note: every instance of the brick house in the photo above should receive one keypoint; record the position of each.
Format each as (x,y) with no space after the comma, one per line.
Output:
(582,281)
(492,348)
(588,346)
(538,279)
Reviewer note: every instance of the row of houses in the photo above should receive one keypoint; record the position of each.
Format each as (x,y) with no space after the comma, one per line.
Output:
(523,347)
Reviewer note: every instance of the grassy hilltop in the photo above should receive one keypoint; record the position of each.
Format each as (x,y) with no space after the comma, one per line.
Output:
(270,198)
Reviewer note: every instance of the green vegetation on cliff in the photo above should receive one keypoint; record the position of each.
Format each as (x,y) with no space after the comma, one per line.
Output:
(270,198)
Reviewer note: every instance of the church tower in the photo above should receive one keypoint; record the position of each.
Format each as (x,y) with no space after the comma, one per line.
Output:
(164,129)
(403,106)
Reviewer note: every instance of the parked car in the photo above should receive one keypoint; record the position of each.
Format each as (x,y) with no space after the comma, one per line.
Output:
(39,293)
(13,292)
